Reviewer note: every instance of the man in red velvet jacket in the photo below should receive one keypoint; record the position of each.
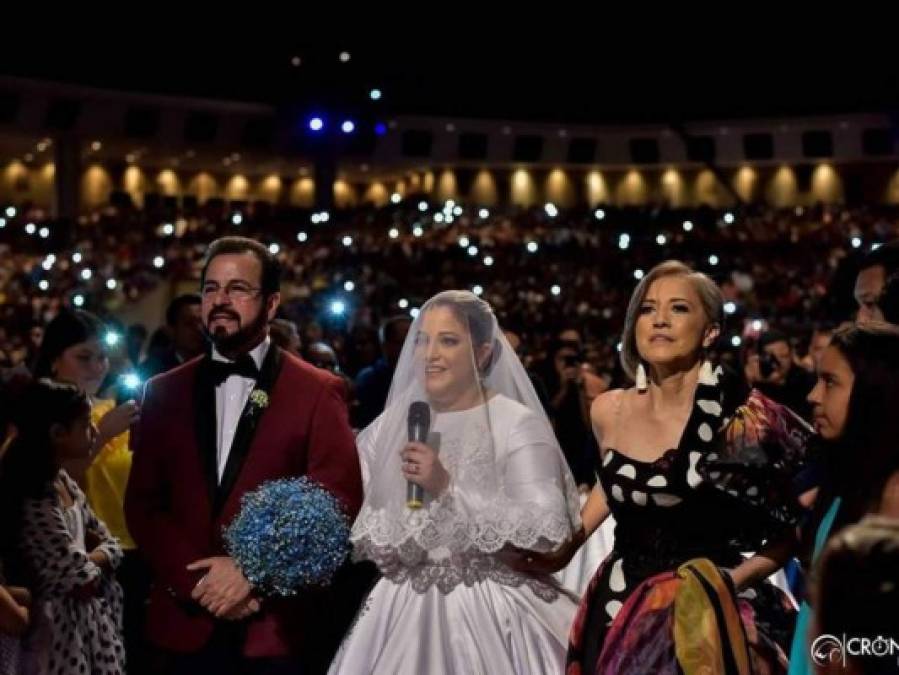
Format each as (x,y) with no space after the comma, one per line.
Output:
(202,442)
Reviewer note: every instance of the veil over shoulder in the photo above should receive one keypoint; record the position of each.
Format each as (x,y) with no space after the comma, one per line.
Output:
(509,482)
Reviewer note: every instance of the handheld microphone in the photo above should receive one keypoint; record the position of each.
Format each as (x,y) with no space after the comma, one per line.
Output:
(419,423)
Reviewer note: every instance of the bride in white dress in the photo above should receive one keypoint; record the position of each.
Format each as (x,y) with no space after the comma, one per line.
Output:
(494,480)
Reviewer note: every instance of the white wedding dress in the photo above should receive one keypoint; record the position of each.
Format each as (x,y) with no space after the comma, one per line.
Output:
(466,613)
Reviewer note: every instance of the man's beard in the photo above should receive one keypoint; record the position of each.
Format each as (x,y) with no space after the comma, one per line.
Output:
(244,335)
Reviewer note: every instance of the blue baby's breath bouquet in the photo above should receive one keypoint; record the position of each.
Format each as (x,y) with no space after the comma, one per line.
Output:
(290,533)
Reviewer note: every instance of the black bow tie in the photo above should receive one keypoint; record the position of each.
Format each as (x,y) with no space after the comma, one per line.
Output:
(243,366)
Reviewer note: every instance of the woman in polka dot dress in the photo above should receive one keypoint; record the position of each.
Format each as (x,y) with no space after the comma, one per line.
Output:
(693,475)
(59,545)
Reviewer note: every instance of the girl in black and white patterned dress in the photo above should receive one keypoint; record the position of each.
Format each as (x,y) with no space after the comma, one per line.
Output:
(59,545)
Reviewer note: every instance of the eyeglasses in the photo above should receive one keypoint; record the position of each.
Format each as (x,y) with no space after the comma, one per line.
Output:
(236,291)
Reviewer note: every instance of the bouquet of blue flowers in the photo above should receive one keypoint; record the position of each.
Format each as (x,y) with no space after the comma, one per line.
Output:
(290,533)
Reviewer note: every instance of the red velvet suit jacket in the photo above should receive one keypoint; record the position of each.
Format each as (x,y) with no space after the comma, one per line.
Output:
(176,509)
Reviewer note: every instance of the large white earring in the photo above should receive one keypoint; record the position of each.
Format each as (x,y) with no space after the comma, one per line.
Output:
(642,381)
(707,373)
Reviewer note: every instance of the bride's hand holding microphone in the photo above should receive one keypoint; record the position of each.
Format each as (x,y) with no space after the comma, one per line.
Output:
(422,466)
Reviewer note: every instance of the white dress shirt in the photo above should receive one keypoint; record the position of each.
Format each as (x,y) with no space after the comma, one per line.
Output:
(230,399)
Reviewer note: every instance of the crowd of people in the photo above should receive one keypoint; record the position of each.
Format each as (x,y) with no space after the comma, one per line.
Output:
(539,268)
(557,279)
(580,377)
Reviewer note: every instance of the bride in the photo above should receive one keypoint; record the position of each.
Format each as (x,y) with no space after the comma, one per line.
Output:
(495,484)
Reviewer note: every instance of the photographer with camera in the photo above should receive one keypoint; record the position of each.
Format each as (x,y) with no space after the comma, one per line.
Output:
(772,369)
(572,388)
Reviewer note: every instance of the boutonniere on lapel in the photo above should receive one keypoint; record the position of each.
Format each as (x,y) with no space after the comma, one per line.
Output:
(258,401)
